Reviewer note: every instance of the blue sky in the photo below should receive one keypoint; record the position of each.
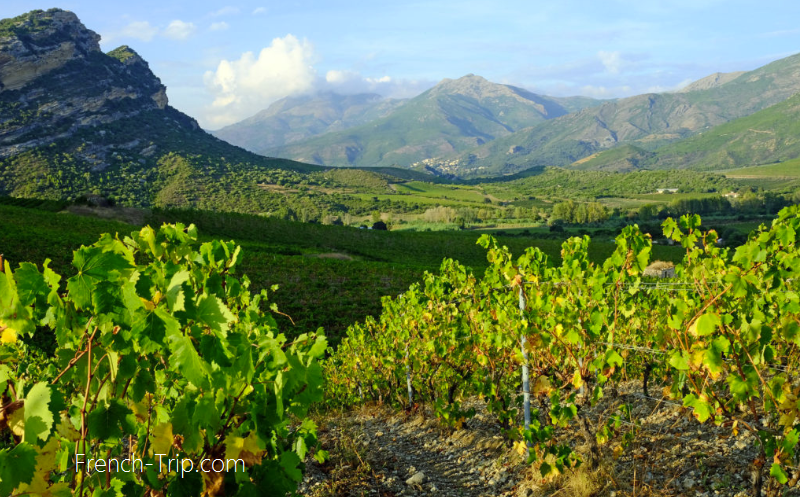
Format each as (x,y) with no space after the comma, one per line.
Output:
(223,62)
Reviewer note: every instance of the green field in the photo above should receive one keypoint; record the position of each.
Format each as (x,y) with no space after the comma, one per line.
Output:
(329,276)
(447,192)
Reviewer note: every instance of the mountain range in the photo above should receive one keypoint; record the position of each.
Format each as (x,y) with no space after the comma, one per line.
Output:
(472,127)
(292,119)
(453,116)
(74,119)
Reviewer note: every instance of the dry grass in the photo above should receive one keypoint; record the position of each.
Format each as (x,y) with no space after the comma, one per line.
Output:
(129,215)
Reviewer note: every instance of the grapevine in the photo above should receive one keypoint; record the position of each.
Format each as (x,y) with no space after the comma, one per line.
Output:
(164,361)
(722,338)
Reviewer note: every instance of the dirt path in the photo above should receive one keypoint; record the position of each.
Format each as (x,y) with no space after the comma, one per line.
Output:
(390,455)
(378,452)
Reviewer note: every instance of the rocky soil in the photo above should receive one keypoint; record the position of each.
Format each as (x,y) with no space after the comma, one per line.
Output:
(376,451)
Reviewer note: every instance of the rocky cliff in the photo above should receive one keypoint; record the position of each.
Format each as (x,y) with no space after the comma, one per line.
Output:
(55,80)
(76,121)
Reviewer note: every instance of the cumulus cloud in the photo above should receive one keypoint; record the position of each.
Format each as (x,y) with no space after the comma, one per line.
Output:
(179,30)
(219,26)
(355,82)
(241,87)
(612,61)
(606,92)
(137,30)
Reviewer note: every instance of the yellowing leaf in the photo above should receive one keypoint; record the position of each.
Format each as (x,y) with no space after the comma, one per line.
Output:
(8,335)
(559,330)
(246,449)
(577,381)
(520,448)
(17,422)
(45,463)
(65,429)
(542,385)
(617,452)
(161,438)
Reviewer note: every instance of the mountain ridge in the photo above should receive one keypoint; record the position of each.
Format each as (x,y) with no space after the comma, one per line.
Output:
(291,119)
(646,121)
(454,115)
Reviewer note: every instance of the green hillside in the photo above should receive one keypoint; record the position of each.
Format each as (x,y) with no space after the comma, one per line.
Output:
(292,119)
(453,116)
(770,135)
(646,121)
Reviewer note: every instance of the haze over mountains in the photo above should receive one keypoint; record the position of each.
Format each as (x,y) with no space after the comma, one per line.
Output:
(67,108)
(453,116)
(293,119)
(470,126)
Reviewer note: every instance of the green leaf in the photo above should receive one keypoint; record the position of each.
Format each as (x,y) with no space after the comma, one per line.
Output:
(745,388)
(213,313)
(93,266)
(38,417)
(679,360)
(17,466)
(712,359)
(187,361)
(289,462)
(777,472)
(707,324)
(109,422)
(31,285)
(175,295)
(702,410)
(613,358)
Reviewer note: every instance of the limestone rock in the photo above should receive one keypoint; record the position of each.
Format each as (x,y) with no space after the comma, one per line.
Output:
(55,81)
(418,479)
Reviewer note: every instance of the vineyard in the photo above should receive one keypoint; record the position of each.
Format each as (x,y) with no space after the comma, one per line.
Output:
(155,360)
(540,343)
(154,350)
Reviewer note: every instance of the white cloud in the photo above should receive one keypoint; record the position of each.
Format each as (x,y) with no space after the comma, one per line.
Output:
(339,77)
(384,79)
(612,61)
(606,92)
(228,10)
(179,30)
(259,11)
(349,82)
(219,26)
(242,87)
(138,30)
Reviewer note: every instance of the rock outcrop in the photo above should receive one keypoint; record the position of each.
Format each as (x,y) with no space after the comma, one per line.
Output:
(39,42)
(55,80)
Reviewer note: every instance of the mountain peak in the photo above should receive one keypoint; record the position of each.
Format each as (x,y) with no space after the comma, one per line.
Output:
(39,42)
(471,85)
(55,82)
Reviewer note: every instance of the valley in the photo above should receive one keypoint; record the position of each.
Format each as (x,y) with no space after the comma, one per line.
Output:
(473,290)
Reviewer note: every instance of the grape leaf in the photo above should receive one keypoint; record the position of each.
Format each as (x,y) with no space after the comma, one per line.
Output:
(187,361)
(38,417)
(213,313)
(111,421)
(17,466)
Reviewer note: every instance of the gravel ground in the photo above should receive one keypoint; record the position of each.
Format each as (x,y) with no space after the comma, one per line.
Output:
(376,451)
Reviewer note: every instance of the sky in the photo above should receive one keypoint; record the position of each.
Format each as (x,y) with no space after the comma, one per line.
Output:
(223,62)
